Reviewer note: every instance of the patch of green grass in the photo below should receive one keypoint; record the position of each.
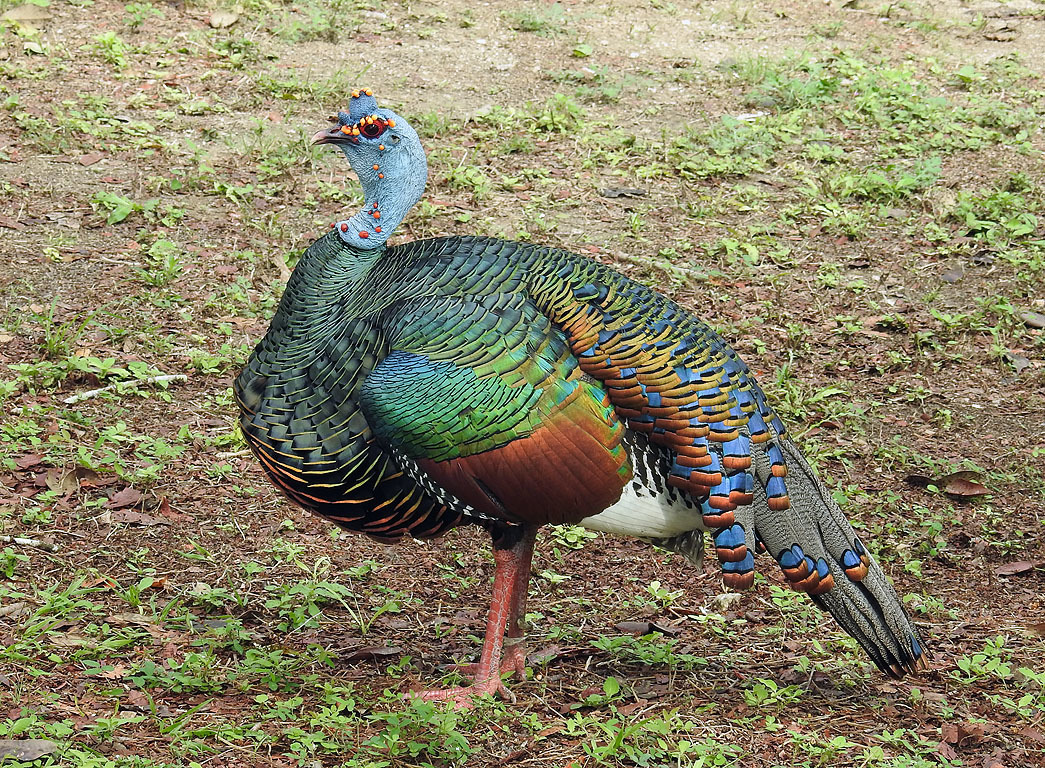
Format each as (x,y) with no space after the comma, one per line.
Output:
(111,49)
(472,179)
(315,88)
(559,114)
(654,650)
(597,84)
(310,20)
(617,739)
(138,14)
(118,208)
(766,694)
(547,21)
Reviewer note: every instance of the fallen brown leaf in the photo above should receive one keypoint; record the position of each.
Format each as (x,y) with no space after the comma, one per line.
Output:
(1018,567)
(90,158)
(71,640)
(29,461)
(645,628)
(132,517)
(91,479)
(12,610)
(919,481)
(125,619)
(222,18)
(962,474)
(961,484)
(1018,362)
(371,652)
(970,733)
(27,12)
(136,699)
(101,581)
(164,509)
(127,497)
(26,749)
(962,734)
(60,481)
(1031,733)
(627,709)
(946,751)
(116,673)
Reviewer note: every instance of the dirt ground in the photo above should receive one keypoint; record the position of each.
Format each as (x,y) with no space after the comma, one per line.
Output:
(156,186)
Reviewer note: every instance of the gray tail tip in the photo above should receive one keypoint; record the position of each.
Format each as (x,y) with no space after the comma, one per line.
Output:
(915,662)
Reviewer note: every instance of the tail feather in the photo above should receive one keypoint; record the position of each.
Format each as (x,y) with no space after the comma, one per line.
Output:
(820,553)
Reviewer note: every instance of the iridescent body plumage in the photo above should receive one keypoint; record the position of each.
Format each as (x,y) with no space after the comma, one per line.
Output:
(406,390)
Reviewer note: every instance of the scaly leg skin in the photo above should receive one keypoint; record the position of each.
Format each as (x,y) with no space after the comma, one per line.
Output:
(507,607)
(513,659)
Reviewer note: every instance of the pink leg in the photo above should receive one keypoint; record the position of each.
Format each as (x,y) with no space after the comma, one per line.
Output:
(514,658)
(511,580)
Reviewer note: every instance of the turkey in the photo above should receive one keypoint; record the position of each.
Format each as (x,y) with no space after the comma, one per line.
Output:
(402,391)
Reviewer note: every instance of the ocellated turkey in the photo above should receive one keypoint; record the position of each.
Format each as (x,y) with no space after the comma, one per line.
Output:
(405,390)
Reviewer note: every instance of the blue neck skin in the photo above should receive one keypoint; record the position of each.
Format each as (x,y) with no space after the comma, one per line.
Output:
(393,170)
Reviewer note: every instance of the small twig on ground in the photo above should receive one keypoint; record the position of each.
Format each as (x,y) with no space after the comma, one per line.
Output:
(46,546)
(81,396)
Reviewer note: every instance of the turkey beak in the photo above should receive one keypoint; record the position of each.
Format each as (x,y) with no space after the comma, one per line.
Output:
(331,135)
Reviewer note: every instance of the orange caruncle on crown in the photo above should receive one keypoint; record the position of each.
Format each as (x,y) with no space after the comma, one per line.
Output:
(361,118)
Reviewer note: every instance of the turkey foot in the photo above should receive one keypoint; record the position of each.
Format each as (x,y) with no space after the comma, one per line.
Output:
(513,554)
(463,697)
(513,661)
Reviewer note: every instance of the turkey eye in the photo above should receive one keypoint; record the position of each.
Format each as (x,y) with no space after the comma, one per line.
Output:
(372,130)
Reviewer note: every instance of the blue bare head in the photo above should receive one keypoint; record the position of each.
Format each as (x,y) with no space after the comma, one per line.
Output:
(387,156)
